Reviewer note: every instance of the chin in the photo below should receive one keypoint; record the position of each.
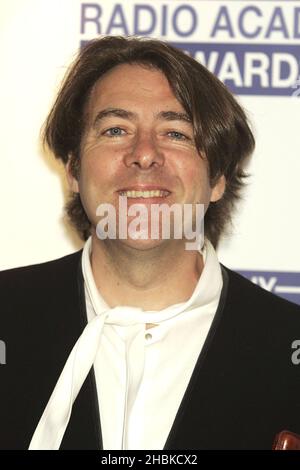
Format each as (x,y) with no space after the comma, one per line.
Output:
(143,245)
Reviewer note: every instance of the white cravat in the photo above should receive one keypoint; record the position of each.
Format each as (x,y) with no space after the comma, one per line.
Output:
(53,423)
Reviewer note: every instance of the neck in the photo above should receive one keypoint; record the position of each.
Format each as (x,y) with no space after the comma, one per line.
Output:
(150,279)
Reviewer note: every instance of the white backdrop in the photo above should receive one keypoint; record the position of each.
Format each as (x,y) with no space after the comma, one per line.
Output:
(39,39)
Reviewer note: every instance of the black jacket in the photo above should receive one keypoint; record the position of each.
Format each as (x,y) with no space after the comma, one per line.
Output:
(244,388)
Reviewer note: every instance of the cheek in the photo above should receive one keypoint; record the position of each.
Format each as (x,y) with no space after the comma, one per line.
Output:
(195,177)
(97,169)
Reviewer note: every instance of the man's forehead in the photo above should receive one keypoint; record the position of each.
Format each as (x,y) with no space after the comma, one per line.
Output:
(131,88)
(127,80)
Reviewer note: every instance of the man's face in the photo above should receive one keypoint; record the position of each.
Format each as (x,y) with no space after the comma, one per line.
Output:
(138,137)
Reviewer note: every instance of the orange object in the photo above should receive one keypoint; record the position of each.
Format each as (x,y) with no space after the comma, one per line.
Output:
(286,440)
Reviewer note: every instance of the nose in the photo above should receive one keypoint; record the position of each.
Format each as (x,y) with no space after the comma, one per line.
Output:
(144,153)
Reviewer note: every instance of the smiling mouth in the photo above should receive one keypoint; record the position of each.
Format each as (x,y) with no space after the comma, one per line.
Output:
(145,194)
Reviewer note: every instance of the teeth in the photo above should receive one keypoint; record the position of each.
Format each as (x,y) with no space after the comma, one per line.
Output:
(145,194)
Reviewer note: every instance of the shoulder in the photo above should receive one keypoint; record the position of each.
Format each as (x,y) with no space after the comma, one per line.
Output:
(259,327)
(41,296)
(37,274)
(244,294)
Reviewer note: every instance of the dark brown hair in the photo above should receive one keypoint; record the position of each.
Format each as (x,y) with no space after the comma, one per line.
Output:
(220,124)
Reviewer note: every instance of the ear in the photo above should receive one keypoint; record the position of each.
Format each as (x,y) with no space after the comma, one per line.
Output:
(218,189)
(72,181)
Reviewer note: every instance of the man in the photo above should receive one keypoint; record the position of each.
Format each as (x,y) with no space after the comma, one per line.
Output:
(138,342)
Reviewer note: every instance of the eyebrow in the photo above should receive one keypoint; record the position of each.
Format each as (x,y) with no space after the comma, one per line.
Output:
(125,114)
(174,116)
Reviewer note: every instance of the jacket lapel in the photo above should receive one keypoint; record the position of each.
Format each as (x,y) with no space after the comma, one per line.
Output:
(191,415)
(84,429)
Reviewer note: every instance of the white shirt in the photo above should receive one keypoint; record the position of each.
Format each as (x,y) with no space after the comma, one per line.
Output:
(141,375)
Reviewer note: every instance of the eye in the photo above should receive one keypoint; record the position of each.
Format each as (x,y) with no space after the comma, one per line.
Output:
(114,132)
(177,135)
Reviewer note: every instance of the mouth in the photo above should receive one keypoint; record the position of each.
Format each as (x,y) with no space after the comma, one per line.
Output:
(144,194)
(133,194)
